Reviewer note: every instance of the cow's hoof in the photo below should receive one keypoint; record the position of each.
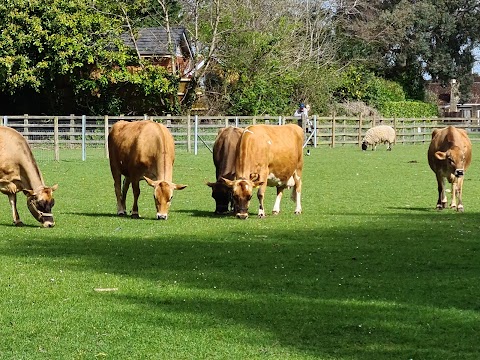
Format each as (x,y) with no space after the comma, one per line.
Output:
(18,224)
(121,214)
(298,212)
(275,212)
(135,216)
(460,209)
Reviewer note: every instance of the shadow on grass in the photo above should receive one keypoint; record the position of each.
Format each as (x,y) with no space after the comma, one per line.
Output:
(400,287)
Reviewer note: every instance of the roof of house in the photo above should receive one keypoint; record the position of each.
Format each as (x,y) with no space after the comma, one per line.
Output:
(443,92)
(153,41)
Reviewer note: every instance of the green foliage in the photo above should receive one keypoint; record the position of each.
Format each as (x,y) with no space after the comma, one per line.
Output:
(408,109)
(126,90)
(43,41)
(69,54)
(261,94)
(360,84)
(405,40)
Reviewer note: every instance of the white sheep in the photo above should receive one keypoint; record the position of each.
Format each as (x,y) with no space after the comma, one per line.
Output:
(379,134)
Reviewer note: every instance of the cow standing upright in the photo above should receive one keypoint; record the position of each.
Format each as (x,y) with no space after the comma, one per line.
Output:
(267,155)
(449,155)
(224,157)
(19,172)
(142,150)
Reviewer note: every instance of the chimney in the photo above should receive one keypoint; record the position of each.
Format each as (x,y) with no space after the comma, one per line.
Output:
(454,95)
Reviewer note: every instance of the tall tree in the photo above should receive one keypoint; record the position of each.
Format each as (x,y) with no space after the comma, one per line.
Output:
(408,40)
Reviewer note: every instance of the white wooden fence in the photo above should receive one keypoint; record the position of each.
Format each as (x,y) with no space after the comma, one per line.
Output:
(66,137)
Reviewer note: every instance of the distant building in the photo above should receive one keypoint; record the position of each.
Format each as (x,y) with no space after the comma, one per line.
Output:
(448,99)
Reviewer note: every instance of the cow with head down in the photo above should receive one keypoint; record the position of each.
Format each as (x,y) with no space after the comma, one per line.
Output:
(268,155)
(449,155)
(19,172)
(142,150)
(224,157)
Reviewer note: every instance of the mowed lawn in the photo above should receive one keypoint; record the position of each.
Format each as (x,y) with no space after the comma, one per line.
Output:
(370,270)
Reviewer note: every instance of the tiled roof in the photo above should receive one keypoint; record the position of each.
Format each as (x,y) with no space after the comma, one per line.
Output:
(443,92)
(153,41)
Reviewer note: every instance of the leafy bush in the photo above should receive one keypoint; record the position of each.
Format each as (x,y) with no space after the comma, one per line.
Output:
(408,109)
(128,90)
(359,84)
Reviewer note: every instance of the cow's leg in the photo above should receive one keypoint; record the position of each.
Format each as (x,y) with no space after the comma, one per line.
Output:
(453,204)
(442,197)
(458,193)
(12,198)
(122,197)
(296,193)
(136,194)
(261,196)
(117,184)
(276,206)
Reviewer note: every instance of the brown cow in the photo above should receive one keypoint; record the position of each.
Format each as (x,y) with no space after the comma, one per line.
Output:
(449,156)
(142,150)
(268,155)
(224,155)
(19,172)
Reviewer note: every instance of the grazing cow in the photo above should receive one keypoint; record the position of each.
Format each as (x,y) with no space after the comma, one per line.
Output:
(19,172)
(142,150)
(449,156)
(224,155)
(267,155)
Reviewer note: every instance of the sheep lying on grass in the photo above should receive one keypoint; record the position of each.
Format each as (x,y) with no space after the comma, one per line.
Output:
(379,134)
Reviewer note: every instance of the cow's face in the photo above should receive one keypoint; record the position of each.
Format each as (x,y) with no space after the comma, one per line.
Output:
(163,194)
(242,192)
(40,203)
(455,160)
(222,195)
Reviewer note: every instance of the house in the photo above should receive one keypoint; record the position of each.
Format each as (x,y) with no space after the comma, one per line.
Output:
(152,43)
(448,99)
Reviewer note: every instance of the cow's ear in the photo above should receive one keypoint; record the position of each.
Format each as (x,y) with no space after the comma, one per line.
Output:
(54,187)
(210,184)
(179,186)
(149,181)
(254,177)
(227,182)
(28,192)
(440,155)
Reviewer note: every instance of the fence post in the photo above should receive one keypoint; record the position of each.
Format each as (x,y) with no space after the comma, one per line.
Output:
(333,130)
(314,131)
(56,146)
(360,125)
(105,132)
(189,133)
(84,142)
(279,120)
(72,130)
(236,121)
(395,128)
(195,136)
(4,120)
(25,128)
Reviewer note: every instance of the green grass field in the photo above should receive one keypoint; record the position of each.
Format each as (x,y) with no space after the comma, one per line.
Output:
(369,271)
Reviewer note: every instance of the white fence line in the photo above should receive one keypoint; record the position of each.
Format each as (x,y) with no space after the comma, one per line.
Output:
(59,134)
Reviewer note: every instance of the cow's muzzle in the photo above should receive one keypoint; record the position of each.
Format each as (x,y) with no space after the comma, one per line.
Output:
(47,222)
(242,216)
(162,216)
(459,172)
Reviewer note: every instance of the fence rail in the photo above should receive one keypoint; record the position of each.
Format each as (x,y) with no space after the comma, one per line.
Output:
(62,136)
